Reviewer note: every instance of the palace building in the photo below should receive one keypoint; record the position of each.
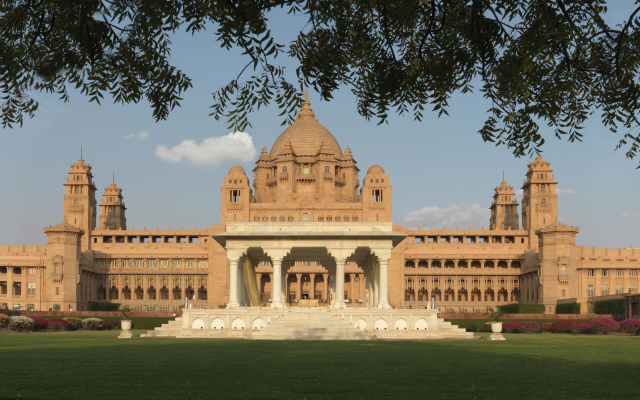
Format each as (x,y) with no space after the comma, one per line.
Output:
(310,226)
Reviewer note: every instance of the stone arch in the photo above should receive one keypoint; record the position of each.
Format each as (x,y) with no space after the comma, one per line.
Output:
(401,324)
(237,323)
(258,323)
(421,325)
(217,324)
(361,324)
(381,324)
(197,323)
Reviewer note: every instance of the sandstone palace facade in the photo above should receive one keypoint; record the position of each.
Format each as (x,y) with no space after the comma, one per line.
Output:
(309,227)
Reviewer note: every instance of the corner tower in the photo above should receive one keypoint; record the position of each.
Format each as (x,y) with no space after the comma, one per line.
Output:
(80,200)
(112,209)
(236,196)
(504,209)
(539,200)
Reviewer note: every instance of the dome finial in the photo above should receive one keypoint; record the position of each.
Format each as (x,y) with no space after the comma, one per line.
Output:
(306,112)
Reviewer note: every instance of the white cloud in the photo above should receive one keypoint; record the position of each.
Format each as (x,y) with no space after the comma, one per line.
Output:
(212,150)
(456,215)
(142,135)
(631,214)
(566,191)
(520,192)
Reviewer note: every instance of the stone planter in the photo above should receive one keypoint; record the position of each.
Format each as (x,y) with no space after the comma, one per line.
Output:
(496,327)
(126,333)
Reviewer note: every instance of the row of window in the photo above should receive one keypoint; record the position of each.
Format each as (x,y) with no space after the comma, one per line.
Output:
(150,239)
(151,263)
(17,270)
(305,218)
(461,264)
(618,272)
(604,290)
(16,290)
(462,239)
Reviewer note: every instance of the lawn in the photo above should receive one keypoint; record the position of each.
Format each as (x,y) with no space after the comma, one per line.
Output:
(83,365)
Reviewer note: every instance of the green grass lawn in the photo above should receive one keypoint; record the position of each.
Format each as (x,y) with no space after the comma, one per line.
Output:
(83,365)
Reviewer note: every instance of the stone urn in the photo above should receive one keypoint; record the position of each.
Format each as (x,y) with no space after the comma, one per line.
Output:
(496,327)
(126,333)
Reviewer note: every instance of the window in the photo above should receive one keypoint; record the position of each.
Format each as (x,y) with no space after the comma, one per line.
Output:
(327,170)
(189,263)
(619,272)
(164,263)
(604,272)
(126,264)
(590,272)
(618,289)
(305,217)
(57,291)
(284,170)
(203,264)
(139,264)
(31,271)
(151,263)
(633,272)
(177,263)
(563,270)
(605,290)
(3,287)
(544,201)
(31,288)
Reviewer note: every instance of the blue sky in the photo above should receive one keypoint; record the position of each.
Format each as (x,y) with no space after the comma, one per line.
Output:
(441,172)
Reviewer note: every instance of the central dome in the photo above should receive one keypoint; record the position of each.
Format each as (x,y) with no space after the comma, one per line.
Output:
(306,136)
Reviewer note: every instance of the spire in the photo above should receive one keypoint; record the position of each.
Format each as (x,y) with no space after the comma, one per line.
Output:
(306,112)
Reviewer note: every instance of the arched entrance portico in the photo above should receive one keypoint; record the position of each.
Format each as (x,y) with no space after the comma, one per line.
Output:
(333,245)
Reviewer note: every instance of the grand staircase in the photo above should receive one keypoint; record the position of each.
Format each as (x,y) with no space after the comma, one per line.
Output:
(310,324)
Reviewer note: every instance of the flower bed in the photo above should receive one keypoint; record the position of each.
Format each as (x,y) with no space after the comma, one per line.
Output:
(58,325)
(630,326)
(92,324)
(564,327)
(601,326)
(21,324)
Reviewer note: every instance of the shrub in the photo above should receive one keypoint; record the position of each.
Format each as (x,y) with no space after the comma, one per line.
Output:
(110,324)
(528,327)
(39,324)
(569,308)
(20,324)
(4,320)
(573,327)
(602,326)
(102,306)
(630,326)
(58,324)
(74,323)
(520,308)
(509,327)
(91,324)
(617,306)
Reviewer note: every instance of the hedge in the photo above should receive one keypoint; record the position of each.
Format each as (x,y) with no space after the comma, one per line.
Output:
(568,308)
(617,306)
(520,308)
(102,306)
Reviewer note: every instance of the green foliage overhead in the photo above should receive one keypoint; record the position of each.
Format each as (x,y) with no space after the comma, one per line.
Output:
(536,61)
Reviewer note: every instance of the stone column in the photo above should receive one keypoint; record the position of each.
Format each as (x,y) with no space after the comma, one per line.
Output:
(362,287)
(259,283)
(312,286)
(276,283)
(325,286)
(383,298)
(233,283)
(298,286)
(352,287)
(339,303)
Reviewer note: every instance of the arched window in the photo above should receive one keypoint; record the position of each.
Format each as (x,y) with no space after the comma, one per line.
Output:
(326,169)
(544,201)
(75,202)
(284,169)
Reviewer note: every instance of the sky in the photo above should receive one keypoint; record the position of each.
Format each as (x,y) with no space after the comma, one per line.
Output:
(442,173)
